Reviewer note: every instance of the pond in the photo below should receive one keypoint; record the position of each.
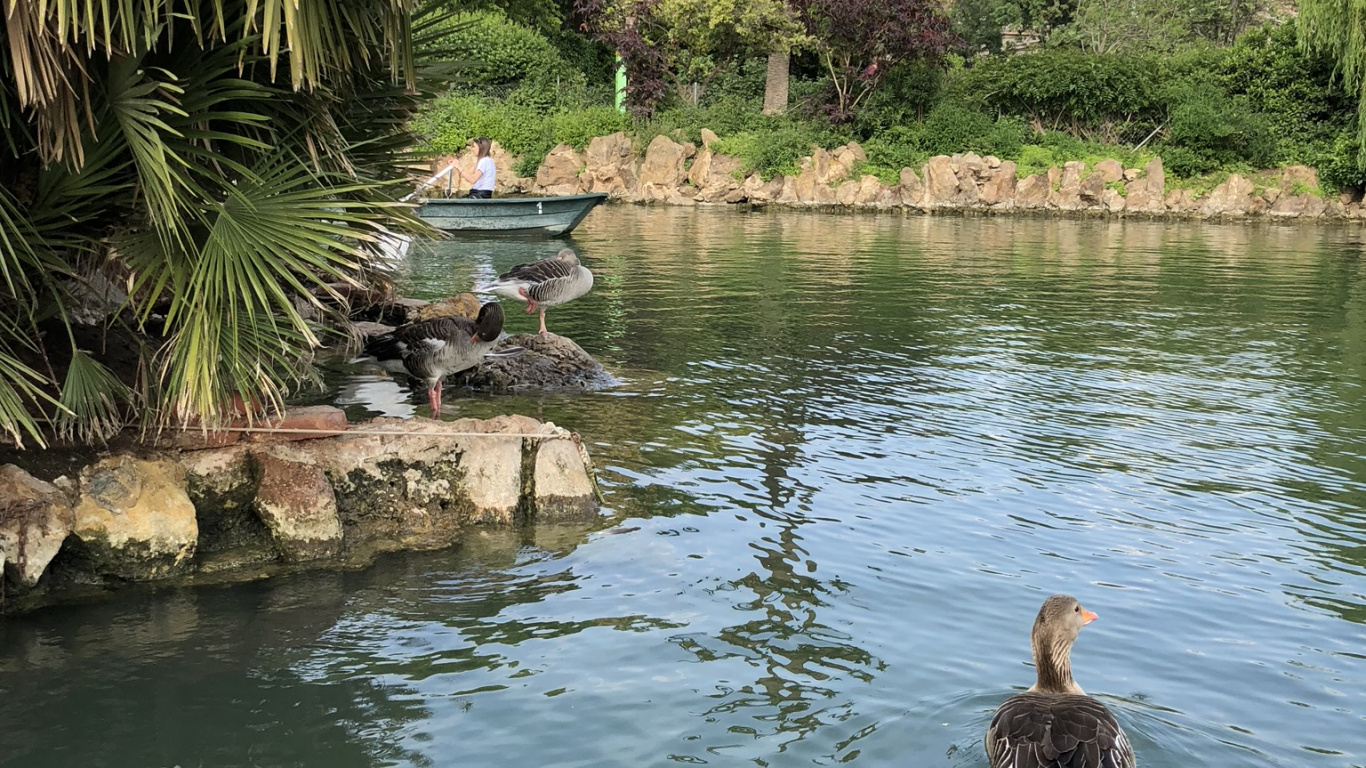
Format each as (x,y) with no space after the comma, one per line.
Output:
(849,457)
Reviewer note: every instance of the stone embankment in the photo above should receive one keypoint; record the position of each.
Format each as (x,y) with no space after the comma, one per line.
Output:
(310,490)
(677,173)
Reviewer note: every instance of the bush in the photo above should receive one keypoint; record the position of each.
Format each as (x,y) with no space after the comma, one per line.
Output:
(1082,92)
(903,97)
(495,50)
(1215,128)
(1340,165)
(579,127)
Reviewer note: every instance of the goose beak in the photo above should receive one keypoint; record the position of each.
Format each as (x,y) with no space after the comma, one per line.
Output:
(474,339)
(1087,617)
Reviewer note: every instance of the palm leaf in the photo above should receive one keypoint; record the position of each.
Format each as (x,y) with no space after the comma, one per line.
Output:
(94,402)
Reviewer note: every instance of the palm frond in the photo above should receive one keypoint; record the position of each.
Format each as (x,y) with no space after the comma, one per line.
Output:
(94,402)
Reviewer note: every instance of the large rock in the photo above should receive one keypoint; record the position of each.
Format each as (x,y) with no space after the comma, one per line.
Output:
(551,363)
(941,183)
(299,508)
(462,305)
(999,189)
(35,518)
(912,191)
(611,166)
(559,172)
(1232,198)
(134,519)
(1148,194)
(664,168)
(1032,191)
(1066,196)
(561,487)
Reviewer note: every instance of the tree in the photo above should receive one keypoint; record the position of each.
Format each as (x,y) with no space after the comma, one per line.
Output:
(859,41)
(1338,30)
(681,41)
(177,180)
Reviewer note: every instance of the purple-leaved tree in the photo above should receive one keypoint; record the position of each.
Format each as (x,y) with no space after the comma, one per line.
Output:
(859,41)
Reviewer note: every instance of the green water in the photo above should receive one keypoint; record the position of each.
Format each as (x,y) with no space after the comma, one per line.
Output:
(848,458)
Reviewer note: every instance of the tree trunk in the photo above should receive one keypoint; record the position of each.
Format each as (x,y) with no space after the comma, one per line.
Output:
(775,86)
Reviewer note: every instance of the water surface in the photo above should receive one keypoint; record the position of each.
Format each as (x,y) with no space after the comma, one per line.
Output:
(849,458)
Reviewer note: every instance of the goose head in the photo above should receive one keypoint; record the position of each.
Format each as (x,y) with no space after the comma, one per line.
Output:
(489,323)
(568,255)
(1055,630)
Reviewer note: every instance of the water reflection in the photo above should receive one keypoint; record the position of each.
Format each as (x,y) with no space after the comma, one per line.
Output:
(848,458)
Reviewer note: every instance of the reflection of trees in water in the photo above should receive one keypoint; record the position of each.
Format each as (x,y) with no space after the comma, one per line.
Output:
(797,657)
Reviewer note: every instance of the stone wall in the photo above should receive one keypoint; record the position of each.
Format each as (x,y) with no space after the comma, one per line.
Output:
(676,173)
(313,491)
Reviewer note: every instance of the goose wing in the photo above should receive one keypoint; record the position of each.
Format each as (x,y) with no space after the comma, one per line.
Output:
(422,346)
(1042,730)
(539,271)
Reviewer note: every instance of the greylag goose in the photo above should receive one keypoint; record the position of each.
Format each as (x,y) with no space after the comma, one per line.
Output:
(1055,724)
(433,349)
(545,283)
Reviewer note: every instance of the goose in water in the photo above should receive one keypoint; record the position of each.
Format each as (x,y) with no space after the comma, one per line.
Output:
(1055,724)
(433,349)
(545,283)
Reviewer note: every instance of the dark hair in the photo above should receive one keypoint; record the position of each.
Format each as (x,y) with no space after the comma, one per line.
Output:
(481,146)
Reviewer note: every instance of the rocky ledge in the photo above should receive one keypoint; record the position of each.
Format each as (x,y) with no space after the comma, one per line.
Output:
(681,173)
(257,502)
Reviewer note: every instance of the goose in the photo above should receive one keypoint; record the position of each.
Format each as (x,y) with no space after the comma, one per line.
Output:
(545,283)
(1055,724)
(433,349)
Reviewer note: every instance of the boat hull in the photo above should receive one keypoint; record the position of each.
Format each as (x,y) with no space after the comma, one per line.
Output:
(549,216)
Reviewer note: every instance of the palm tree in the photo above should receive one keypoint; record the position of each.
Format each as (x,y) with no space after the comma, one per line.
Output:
(179,184)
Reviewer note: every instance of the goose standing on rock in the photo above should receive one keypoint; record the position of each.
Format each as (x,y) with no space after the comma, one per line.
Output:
(433,349)
(545,283)
(1055,724)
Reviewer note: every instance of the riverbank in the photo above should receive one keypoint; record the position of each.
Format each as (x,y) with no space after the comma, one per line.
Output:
(309,490)
(680,173)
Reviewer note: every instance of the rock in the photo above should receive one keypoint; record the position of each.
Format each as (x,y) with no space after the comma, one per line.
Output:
(664,168)
(562,488)
(134,519)
(1302,175)
(1146,195)
(869,190)
(969,194)
(1032,191)
(912,191)
(35,518)
(804,186)
(1130,174)
(611,166)
(1112,200)
(559,172)
(847,193)
(551,363)
(941,183)
(714,175)
(1110,170)
(708,137)
(463,305)
(1181,201)
(1066,195)
(1092,188)
(366,330)
(768,191)
(298,506)
(1230,198)
(999,190)
(973,163)
(301,423)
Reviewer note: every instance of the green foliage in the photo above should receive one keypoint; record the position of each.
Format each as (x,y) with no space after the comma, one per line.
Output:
(904,96)
(579,127)
(779,149)
(1100,96)
(1210,129)
(1340,166)
(494,50)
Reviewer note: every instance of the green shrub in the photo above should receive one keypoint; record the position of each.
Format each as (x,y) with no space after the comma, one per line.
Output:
(1340,165)
(495,50)
(951,128)
(1066,88)
(903,97)
(1216,128)
(578,127)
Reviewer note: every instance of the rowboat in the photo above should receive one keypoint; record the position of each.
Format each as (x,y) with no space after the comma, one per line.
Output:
(551,216)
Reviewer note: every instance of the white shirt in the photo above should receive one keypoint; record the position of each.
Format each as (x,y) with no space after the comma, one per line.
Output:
(487,172)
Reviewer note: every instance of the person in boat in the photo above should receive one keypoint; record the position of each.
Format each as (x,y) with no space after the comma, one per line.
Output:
(482,177)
